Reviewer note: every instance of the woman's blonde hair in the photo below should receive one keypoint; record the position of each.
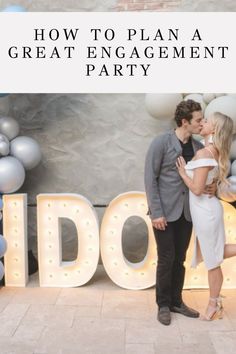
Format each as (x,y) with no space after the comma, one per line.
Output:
(222,139)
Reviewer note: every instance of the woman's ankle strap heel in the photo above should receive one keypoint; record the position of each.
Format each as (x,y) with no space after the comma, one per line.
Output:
(214,311)
(219,307)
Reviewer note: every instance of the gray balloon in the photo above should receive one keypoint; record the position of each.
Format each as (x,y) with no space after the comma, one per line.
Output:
(12,174)
(3,246)
(26,150)
(1,270)
(233,148)
(233,168)
(4,145)
(228,192)
(9,127)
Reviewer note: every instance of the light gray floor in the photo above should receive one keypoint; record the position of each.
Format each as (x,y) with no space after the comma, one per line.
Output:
(103,318)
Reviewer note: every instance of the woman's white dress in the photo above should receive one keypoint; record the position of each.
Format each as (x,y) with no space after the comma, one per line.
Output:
(207,217)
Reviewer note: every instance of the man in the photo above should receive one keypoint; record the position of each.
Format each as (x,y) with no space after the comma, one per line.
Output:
(168,204)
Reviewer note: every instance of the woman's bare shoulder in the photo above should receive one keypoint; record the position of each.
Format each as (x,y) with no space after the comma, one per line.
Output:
(203,153)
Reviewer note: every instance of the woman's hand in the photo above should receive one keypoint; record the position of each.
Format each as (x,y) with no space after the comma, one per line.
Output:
(180,163)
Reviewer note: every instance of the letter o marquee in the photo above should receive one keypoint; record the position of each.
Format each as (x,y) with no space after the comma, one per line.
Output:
(126,274)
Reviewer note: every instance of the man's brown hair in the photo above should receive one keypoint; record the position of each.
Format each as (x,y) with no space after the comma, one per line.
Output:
(185,109)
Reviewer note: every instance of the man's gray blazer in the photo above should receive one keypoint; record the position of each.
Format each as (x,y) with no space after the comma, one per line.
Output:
(167,195)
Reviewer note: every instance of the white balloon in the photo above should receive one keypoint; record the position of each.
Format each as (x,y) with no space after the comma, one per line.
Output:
(228,168)
(26,150)
(4,145)
(4,105)
(228,192)
(4,148)
(3,138)
(233,149)
(208,97)
(219,94)
(197,97)
(162,106)
(12,174)
(225,105)
(233,168)
(9,127)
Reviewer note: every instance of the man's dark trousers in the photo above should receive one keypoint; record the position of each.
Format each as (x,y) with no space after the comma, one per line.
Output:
(172,245)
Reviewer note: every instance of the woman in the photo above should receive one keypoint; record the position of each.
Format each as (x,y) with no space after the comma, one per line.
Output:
(208,164)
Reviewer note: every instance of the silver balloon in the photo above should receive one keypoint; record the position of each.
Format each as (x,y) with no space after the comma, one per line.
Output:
(26,150)
(233,148)
(12,174)
(233,168)
(4,145)
(3,246)
(1,270)
(9,127)
(227,192)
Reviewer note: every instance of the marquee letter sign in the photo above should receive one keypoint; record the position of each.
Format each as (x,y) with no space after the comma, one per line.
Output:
(128,275)
(53,272)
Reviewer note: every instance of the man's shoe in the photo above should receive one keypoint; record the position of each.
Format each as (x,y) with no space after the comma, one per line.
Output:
(185,310)
(164,315)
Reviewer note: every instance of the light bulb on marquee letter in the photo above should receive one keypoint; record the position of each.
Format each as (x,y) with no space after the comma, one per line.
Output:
(15,232)
(127,275)
(52,271)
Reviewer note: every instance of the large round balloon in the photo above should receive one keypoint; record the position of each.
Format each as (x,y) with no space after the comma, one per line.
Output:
(208,97)
(227,192)
(9,127)
(14,8)
(26,150)
(162,106)
(197,97)
(232,95)
(4,105)
(219,94)
(233,168)
(3,246)
(12,174)
(1,270)
(225,105)
(233,149)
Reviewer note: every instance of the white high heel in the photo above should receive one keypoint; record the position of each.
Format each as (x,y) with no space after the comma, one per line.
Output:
(215,311)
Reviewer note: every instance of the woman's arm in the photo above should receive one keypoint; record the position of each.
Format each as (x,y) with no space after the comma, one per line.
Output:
(198,183)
